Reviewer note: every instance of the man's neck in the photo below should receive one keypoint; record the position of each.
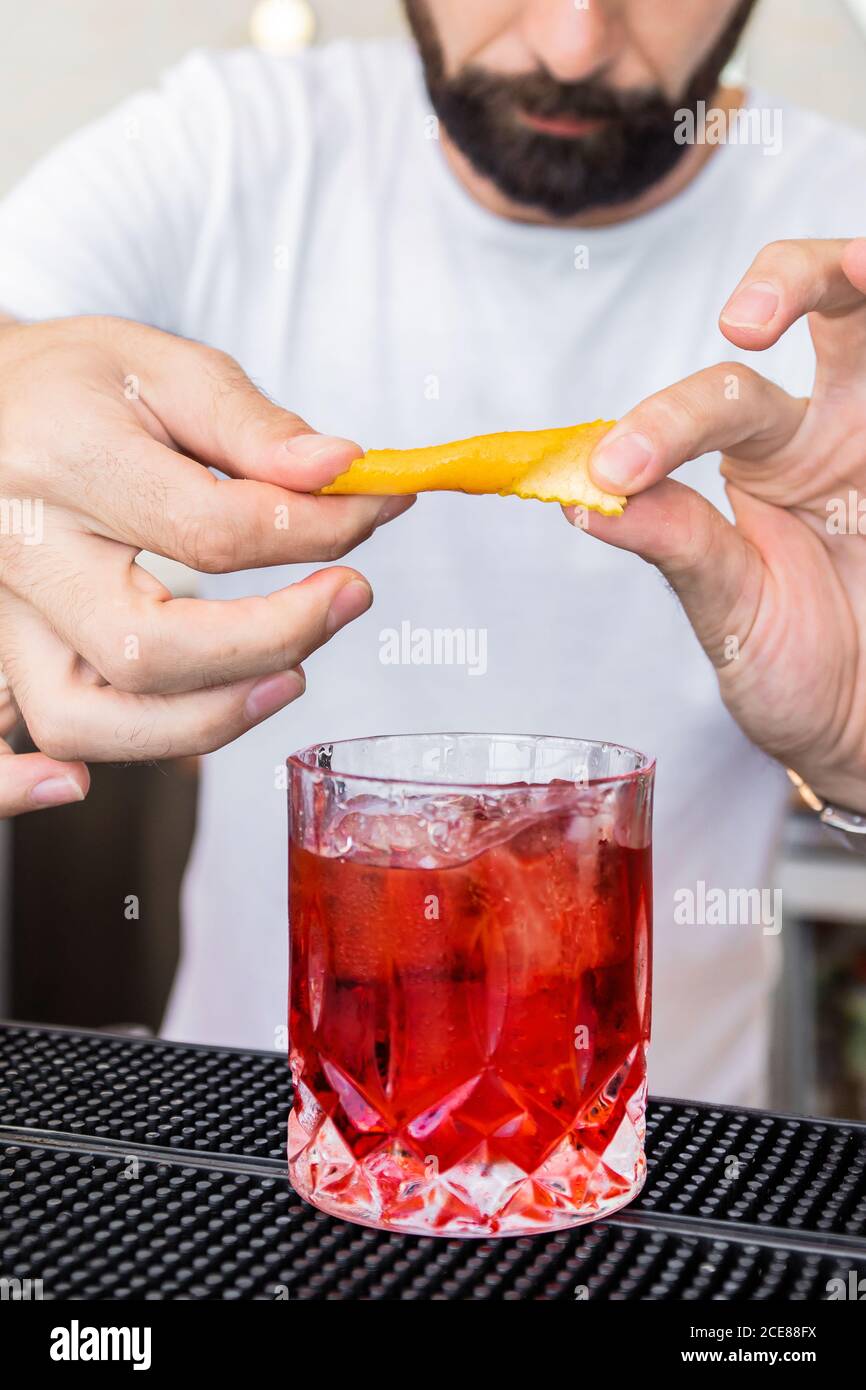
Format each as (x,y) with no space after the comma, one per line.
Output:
(688,167)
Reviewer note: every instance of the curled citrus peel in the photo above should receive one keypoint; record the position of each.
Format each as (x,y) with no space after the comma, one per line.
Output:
(547,465)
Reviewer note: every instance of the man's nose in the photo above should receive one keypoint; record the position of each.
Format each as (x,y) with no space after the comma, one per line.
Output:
(573,39)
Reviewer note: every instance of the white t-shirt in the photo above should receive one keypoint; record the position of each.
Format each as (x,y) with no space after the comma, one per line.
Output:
(297,213)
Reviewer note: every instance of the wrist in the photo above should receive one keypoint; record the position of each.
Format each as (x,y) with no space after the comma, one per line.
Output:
(838,800)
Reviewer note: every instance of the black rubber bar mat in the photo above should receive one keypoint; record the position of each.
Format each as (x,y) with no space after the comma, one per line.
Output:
(136,1169)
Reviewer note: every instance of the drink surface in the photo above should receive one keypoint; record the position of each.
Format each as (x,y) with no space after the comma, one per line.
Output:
(468,1032)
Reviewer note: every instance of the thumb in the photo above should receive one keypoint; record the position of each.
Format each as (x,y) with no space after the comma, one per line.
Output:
(714,571)
(31,782)
(213,412)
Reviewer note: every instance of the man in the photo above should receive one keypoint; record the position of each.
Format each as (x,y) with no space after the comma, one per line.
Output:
(538,252)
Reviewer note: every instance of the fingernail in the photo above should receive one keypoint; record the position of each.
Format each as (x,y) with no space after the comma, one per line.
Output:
(348,603)
(56,791)
(313,446)
(272,693)
(622,461)
(324,457)
(395,506)
(752,307)
(309,446)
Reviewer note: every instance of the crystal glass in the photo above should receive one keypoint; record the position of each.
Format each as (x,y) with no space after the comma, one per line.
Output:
(470,928)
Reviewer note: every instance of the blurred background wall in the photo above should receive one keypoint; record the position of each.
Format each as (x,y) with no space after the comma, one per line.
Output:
(70,950)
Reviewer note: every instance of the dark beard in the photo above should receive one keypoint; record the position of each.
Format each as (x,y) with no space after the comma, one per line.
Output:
(563,177)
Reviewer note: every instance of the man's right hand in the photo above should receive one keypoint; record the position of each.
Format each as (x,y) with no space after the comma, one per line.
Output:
(106,431)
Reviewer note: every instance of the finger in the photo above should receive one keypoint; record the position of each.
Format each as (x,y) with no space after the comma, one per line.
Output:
(153,498)
(712,568)
(727,407)
(788,279)
(70,717)
(32,782)
(854,263)
(212,410)
(195,642)
(9,713)
(141,640)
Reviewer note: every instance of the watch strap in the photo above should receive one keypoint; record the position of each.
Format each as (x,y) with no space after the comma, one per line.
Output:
(851,823)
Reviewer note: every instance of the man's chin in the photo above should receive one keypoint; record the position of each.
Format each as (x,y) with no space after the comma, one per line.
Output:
(561,190)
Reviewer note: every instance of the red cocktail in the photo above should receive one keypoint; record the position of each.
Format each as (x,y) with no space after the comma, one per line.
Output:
(469,998)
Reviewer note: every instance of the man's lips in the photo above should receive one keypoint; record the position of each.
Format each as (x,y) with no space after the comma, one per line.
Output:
(566,127)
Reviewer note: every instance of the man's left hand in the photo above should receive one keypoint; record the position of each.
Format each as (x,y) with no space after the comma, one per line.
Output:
(778,598)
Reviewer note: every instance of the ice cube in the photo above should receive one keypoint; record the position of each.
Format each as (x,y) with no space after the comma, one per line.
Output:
(437,831)
(375,830)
